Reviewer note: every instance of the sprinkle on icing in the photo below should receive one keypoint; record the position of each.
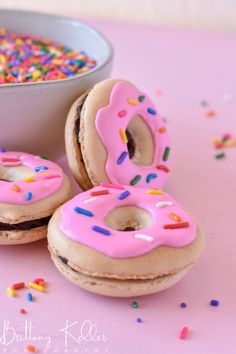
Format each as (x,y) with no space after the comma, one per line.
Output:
(162,130)
(17,192)
(151,111)
(122,157)
(179,225)
(150,177)
(111,185)
(123,136)
(16,188)
(141,98)
(123,244)
(41,168)
(90,200)
(135,180)
(132,101)
(166,154)
(100,192)
(164,203)
(163,168)
(83,211)
(29,179)
(120,168)
(123,195)
(122,114)
(175,217)
(154,191)
(101,230)
(144,237)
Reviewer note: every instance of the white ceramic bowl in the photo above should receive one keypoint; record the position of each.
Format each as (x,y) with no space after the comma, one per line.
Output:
(32,115)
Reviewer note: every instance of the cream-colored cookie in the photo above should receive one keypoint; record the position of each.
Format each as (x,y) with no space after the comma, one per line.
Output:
(113,133)
(31,189)
(134,256)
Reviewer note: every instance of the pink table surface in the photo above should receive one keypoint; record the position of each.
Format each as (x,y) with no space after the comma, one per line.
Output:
(187,66)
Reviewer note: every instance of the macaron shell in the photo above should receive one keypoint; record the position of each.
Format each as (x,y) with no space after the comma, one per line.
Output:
(74,154)
(23,236)
(160,261)
(14,214)
(93,151)
(118,288)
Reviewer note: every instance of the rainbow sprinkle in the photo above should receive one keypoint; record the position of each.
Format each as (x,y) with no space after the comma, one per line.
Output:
(16,188)
(141,98)
(163,204)
(101,230)
(90,200)
(144,237)
(135,180)
(83,211)
(110,185)
(150,177)
(184,333)
(123,136)
(151,111)
(28,196)
(154,191)
(123,195)
(25,58)
(29,297)
(122,114)
(122,157)
(132,101)
(166,154)
(41,168)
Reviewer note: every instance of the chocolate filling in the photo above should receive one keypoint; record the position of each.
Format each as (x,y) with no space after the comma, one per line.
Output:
(77,122)
(65,261)
(25,225)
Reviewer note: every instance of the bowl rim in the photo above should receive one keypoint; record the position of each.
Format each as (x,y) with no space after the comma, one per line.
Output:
(93,30)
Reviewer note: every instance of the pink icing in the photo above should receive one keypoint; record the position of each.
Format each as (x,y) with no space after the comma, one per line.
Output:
(43,186)
(117,115)
(123,244)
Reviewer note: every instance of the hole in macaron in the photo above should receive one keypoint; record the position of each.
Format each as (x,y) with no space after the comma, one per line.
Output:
(128,218)
(140,142)
(14,173)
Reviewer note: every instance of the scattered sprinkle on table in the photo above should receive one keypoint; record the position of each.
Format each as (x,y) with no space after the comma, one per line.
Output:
(183,333)
(11,292)
(138,320)
(210,113)
(29,297)
(23,311)
(134,304)
(25,58)
(214,303)
(204,103)
(31,348)
(183,305)
(220,155)
(17,286)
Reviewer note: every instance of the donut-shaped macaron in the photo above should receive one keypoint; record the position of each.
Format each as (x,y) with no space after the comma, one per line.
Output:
(31,188)
(114,134)
(123,241)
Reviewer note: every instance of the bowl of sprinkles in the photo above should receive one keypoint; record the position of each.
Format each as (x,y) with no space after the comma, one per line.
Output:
(46,61)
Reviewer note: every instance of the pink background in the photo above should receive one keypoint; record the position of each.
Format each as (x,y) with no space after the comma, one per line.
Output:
(188,66)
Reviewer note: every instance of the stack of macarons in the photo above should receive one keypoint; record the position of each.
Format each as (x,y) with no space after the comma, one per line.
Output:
(122,236)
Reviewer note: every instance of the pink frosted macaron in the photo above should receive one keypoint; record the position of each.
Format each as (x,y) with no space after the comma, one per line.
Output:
(114,134)
(119,240)
(31,188)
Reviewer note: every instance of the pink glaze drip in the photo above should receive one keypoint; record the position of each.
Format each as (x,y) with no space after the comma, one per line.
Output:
(41,188)
(108,124)
(123,244)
